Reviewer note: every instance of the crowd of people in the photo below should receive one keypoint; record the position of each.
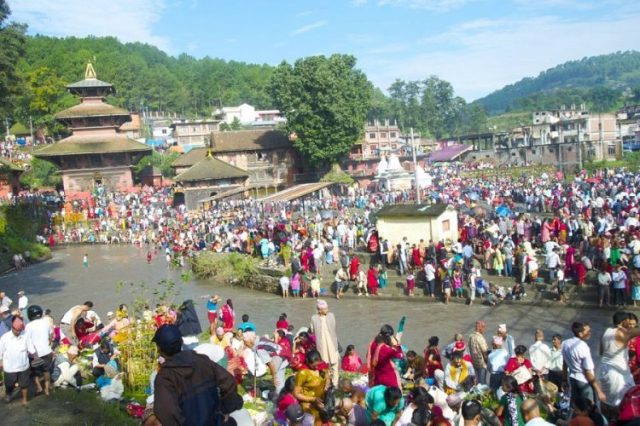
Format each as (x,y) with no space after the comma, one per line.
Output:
(482,378)
(514,233)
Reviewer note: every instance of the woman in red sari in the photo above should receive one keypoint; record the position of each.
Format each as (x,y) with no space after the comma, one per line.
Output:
(227,316)
(517,361)
(432,358)
(382,351)
(353,268)
(372,280)
(581,270)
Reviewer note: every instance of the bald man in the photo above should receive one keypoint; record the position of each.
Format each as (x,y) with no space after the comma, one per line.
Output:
(531,414)
(352,414)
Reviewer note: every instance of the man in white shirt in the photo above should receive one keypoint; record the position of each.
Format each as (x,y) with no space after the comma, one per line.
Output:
(5,300)
(15,360)
(578,365)
(39,335)
(540,355)
(604,285)
(497,361)
(552,262)
(555,362)
(619,279)
(23,302)
(430,276)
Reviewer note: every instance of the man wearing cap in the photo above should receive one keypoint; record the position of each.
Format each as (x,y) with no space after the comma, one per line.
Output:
(14,359)
(478,349)
(5,320)
(323,325)
(454,401)
(508,341)
(190,388)
(497,361)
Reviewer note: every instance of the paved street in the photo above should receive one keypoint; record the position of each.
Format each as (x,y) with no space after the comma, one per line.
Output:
(63,281)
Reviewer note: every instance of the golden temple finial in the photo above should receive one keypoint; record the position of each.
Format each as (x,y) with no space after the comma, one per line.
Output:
(90,73)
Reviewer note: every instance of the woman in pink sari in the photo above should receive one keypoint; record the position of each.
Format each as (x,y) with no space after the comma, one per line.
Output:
(382,351)
(228,316)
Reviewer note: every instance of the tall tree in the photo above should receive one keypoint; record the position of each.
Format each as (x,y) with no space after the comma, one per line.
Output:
(325,101)
(12,40)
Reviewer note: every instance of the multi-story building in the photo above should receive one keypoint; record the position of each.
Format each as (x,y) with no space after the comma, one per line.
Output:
(95,153)
(381,138)
(247,115)
(194,133)
(629,127)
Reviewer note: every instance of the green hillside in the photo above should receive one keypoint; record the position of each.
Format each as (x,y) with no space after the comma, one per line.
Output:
(602,82)
(144,76)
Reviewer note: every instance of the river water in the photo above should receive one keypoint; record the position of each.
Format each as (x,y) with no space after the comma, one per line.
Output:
(63,282)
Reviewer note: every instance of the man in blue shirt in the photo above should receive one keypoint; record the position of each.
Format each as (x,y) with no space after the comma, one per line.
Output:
(246,325)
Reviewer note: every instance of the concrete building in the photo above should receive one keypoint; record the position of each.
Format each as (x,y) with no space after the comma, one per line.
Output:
(417,221)
(247,115)
(628,120)
(194,133)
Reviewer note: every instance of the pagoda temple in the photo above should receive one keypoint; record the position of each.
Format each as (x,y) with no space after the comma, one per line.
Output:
(95,153)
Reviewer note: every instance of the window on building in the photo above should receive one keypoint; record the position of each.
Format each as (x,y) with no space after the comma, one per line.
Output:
(164,131)
(392,134)
(446,225)
(194,129)
(383,135)
(372,135)
(611,150)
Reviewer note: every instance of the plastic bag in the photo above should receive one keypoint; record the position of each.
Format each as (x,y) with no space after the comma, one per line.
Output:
(114,390)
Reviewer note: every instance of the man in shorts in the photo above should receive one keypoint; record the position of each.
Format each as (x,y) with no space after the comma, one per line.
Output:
(15,360)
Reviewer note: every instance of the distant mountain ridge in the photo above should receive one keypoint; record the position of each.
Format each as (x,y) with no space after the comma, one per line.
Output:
(594,80)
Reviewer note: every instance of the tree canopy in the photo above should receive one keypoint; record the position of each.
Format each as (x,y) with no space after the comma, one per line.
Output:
(431,107)
(325,101)
(12,40)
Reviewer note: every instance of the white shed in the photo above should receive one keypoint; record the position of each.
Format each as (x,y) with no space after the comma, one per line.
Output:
(417,221)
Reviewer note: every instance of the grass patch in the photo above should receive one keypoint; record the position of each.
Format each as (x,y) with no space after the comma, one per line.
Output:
(86,408)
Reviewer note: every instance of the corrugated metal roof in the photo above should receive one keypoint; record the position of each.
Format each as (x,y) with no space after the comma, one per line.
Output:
(449,153)
(296,192)
(210,168)
(426,210)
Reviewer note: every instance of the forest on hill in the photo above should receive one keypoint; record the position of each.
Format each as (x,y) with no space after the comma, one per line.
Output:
(602,83)
(145,77)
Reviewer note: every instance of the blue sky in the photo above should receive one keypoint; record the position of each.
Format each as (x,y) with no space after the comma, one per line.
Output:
(477,45)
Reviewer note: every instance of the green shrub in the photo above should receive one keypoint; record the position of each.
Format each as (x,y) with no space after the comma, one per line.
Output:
(225,266)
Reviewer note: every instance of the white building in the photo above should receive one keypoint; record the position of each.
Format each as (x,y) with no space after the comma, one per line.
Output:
(247,115)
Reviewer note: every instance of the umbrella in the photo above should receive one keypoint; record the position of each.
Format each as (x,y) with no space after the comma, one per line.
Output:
(503,210)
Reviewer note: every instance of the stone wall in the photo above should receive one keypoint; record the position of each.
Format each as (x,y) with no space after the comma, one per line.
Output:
(262,282)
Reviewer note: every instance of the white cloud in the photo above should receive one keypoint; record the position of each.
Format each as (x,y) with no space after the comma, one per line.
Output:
(481,56)
(310,27)
(358,2)
(128,20)
(431,5)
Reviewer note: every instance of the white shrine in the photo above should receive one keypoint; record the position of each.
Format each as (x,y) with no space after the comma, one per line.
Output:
(391,176)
